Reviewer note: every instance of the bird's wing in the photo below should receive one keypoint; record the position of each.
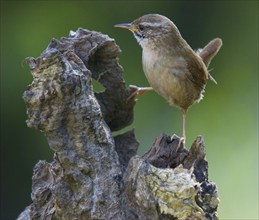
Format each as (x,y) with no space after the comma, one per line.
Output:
(197,71)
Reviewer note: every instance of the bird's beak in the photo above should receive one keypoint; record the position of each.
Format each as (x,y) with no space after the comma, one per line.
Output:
(128,26)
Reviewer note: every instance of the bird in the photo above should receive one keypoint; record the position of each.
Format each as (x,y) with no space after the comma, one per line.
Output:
(173,69)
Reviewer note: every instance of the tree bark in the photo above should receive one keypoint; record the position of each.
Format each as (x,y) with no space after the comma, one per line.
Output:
(93,174)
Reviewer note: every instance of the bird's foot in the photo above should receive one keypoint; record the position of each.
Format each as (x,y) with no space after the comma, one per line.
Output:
(137,91)
(181,142)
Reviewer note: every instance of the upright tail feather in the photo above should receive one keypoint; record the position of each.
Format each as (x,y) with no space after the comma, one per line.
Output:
(209,51)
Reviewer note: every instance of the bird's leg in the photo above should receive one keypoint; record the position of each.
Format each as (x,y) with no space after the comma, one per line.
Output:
(183,138)
(137,91)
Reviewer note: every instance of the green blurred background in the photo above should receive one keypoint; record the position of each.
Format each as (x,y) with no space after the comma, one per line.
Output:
(227,117)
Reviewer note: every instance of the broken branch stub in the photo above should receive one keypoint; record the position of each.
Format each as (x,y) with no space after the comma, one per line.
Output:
(94,175)
(185,175)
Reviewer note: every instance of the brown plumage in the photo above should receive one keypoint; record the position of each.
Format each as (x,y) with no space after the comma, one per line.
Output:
(172,68)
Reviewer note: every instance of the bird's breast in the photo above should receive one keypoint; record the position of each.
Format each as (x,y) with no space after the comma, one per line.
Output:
(167,75)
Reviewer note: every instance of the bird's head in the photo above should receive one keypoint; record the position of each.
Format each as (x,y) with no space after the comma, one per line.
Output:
(151,28)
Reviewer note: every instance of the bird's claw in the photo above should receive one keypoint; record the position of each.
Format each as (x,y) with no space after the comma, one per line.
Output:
(181,142)
(137,91)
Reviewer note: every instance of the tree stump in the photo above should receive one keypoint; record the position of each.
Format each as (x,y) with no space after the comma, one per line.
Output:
(93,174)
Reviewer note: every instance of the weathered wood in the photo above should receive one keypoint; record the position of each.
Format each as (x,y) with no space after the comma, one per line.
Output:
(166,153)
(93,174)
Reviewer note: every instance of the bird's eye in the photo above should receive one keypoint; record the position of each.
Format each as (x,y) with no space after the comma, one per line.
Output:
(141,27)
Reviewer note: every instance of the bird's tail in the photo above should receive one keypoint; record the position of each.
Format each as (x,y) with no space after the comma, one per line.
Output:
(212,79)
(209,51)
